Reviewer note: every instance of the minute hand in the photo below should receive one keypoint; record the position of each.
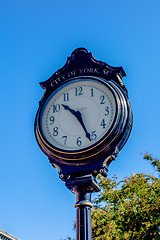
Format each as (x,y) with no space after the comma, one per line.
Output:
(78,115)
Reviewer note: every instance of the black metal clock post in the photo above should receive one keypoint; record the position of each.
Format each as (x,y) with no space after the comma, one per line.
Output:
(81,84)
(83,186)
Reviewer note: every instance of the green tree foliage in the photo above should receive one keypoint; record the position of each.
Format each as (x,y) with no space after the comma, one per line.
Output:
(129,209)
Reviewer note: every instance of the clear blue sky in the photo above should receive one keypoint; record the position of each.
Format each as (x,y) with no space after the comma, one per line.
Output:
(36,39)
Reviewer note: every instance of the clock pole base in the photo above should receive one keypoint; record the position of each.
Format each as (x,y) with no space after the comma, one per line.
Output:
(83,186)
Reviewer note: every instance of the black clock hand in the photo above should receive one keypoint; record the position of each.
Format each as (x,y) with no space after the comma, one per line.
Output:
(78,115)
(69,109)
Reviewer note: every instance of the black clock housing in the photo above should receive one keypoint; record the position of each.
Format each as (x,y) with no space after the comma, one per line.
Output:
(96,158)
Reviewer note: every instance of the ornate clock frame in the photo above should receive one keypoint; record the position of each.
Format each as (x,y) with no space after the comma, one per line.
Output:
(92,160)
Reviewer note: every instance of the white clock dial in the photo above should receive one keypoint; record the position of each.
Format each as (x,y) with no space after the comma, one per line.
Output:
(78,114)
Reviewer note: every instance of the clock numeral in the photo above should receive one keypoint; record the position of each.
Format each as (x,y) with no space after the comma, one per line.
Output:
(51,120)
(65,139)
(93,135)
(56,108)
(102,99)
(103,124)
(91,92)
(79,91)
(66,97)
(55,131)
(79,142)
(106,111)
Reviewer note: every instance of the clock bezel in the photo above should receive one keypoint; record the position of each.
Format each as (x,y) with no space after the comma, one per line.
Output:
(93,152)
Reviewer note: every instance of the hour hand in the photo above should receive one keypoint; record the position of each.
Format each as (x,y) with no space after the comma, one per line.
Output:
(78,115)
(66,107)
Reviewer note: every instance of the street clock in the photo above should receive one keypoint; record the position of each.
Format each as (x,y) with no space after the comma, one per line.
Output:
(84,117)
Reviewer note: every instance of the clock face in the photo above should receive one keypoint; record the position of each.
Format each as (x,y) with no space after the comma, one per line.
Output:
(78,114)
